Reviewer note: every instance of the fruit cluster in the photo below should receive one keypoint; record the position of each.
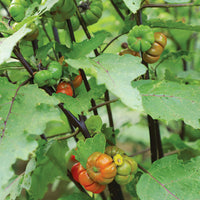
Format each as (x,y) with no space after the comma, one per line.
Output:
(103,168)
(142,39)
(52,75)
(153,54)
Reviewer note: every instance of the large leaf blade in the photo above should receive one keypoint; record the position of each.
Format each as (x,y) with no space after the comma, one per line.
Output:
(168,100)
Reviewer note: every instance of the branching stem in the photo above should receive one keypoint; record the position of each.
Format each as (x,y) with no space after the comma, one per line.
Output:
(2,4)
(43,27)
(115,38)
(103,104)
(168,5)
(117,10)
(69,136)
(28,67)
(154,131)
(84,26)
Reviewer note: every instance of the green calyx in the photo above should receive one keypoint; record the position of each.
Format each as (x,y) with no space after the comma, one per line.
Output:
(140,38)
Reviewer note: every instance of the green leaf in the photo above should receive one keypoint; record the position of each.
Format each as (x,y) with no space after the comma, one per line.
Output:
(4,28)
(43,51)
(171,101)
(176,55)
(109,133)
(116,72)
(15,187)
(88,147)
(189,76)
(9,43)
(85,47)
(28,174)
(46,5)
(31,110)
(177,1)
(197,2)
(170,24)
(94,124)
(131,187)
(185,150)
(58,127)
(133,5)
(170,178)
(51,163)
(76,196)
(82,102)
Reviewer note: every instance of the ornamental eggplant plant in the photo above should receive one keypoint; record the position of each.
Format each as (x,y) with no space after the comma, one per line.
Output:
(99,99)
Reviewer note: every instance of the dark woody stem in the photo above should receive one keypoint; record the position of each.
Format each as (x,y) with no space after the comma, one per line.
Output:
(154,131)
(85,29)
(169,5)
(117,10)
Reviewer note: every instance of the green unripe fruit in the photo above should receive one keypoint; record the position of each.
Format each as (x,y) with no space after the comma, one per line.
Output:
(33,34)
(140,38)
(113,150)
(91,12)
(52,82)
(126,171)
(42,78)
(90,18)
(97,4)
(96,11)
(56,69)
(75,22)
(123,180)
(57,6)
(60,25)
(17,12)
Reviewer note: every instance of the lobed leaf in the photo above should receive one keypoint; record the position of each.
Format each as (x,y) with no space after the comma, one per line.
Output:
(170,24)
(168,100)
(170,178)
(133,5)
(25,119)
(9,43)
(89,146)
(116,72)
